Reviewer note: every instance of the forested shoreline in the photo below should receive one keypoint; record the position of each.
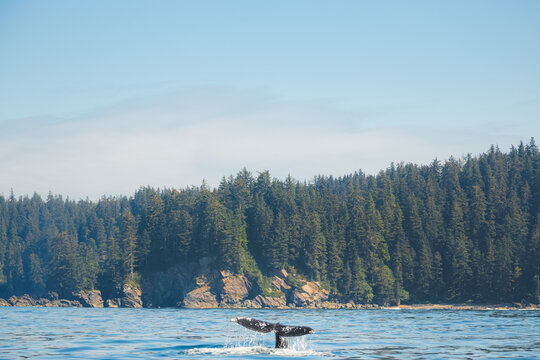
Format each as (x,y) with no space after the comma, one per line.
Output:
(453,231)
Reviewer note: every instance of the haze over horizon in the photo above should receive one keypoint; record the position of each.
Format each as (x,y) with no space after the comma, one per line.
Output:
(100,98)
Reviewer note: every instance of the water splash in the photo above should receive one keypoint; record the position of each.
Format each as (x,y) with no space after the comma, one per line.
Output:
(298,344)
(255,350)
(245,338)
(89,333)
(246,343)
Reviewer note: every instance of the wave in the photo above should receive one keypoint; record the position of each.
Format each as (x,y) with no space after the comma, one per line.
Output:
(255,350)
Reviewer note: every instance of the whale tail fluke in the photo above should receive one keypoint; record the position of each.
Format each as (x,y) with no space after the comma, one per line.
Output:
(280,330)
(255,325)
(281,342)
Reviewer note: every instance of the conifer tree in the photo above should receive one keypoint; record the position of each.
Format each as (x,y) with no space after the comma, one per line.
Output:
(360,290)
(63,264)
(463,230)
(129,243)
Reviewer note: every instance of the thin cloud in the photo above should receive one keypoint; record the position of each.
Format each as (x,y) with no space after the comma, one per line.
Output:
(178,139)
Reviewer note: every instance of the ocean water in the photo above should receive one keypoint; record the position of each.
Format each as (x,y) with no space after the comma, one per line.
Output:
(83,333)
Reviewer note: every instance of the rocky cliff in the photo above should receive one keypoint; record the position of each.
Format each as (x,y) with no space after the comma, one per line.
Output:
(202,287)
(198,285)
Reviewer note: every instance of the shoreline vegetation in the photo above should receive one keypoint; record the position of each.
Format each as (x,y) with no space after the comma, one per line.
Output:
(26,300)
(197,286)
(459,231)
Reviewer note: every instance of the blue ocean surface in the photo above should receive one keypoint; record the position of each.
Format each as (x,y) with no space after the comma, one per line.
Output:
(84,333)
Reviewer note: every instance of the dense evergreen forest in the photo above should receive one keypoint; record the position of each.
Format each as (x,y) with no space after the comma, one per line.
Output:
(452,231)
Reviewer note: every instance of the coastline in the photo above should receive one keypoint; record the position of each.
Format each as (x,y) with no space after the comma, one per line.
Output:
(202,288)
(28,301)
(503,306)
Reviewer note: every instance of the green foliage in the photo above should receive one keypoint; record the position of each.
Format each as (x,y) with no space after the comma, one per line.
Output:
(360,290)
(65,265)
(134,280)
(129,243)
(88,266)
(384,285)
(448,231)
(249,265)
(295,281)
(267,288)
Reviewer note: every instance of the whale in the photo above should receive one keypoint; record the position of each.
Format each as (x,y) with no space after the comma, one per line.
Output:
(280,330)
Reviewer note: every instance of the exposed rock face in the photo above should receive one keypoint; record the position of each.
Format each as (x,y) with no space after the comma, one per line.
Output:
(58,303)
(4,303)
(200,298)
(89,298)
(164,289)
(132,297)
(44,302)
(300,298)
(280,284)
(310,295)
(25,300)
(286,290)
(235,289)
(197,285)
(331,305)
(270,302)
(66,303)
(168,288)
(112,303)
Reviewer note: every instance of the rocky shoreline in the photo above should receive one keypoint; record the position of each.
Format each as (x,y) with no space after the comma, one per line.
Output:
(27,300)
(503,306)
(197,286)
(85,298)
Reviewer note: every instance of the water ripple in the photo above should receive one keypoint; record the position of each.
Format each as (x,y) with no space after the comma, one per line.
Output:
(79,333)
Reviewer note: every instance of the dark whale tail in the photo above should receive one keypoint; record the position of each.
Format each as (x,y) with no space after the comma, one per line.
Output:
(280,330)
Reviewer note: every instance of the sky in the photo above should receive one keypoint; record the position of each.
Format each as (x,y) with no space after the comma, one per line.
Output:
(102,97)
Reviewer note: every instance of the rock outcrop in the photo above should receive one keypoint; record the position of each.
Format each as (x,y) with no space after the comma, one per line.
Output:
(285,291)
(310,295)
(270,301)
(281,284)
(89,298)
(65,303)
(25,300)
(200,298)
(112,303)
(169,288)
(132,297)
(198,285)
(235,289)
(4,302)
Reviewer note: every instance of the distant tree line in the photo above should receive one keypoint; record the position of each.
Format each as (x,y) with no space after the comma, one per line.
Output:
(466,229)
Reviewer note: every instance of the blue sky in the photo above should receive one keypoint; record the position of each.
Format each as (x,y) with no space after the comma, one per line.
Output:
(100,97)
